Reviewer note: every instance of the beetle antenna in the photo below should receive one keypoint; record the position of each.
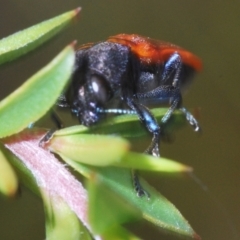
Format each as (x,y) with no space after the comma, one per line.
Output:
(117,111)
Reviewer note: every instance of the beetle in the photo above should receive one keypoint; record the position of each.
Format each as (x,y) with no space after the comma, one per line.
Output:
(130,72)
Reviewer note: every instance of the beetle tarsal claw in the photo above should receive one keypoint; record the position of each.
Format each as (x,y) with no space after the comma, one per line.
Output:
(141,193)
(155,151)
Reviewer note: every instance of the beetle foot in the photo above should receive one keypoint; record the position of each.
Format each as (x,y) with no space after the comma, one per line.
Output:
(155,151)
(138,187)
(45,139)
(191,119)
(141,192)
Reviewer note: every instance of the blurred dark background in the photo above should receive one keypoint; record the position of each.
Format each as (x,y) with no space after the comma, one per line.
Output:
(210,29)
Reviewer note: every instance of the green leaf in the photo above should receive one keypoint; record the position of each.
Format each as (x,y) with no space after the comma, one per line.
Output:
(101,150)
(157,209)
(129,126)
(24,174)
(36,96)
(98,150)
(61,222)
(26,40)
(119,233)
(44,174)
(8,178)
(106,209)
(147,162)
(77,129)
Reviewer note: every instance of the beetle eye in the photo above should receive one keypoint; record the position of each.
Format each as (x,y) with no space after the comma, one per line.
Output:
(100,88)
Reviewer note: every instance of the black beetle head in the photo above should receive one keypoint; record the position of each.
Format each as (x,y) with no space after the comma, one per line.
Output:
(89,98)
(88,118)
(84,108)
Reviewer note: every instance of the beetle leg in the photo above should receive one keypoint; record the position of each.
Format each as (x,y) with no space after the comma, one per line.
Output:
(175,102)
(150,122)
(191,119)
(164,93)
(57,120)
(46,137)
(172,66)
(62,101)
(137,185)
(168,92)
(147,118)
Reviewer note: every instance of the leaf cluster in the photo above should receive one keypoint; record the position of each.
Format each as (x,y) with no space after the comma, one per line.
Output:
(101,154)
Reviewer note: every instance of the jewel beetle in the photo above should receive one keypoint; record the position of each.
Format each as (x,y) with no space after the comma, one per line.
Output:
(126,74)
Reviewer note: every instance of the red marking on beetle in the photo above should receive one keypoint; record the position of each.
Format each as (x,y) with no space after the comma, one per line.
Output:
(153,51)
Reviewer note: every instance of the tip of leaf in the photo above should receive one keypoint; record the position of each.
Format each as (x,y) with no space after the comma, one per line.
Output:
(187,169)
(73,43)
(8,178)
(10,190)
(77,10)
(196,237)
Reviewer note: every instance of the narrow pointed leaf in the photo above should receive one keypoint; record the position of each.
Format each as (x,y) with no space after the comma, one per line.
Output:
(8,178)
(49,174)
(25,176)
(119,233)
(104,202)
(71,143)
(77,129)
(26,40)
(36,96)
(98,150)
(149,163)
(157,209)
(61,222)
(129,126)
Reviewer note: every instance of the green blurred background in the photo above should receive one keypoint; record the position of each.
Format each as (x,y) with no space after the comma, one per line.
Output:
(211,30)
